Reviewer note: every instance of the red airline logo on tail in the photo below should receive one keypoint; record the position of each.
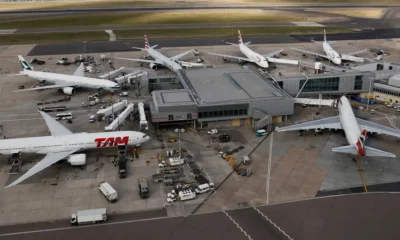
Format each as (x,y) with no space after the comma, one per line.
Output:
(240,38)
(111,141)
(146,42)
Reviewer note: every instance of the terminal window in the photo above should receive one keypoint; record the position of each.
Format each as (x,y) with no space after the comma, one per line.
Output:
(320,84)
(226,113)
(358,83)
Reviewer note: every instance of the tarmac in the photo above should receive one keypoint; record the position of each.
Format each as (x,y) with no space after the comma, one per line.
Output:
(301,167)
(359,216)
(126,46)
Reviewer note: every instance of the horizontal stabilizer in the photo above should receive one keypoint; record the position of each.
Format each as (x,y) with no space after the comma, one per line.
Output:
(18,74)
(346,149)
(138,48)
(373,152)
(234,44)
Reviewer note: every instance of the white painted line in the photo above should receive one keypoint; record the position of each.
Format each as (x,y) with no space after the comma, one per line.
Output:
(7,31)
(308,24)
(88,226)
(112,37)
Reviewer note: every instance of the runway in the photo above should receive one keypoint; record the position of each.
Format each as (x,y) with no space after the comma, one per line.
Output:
(360,216)
(125,46)
(173,8)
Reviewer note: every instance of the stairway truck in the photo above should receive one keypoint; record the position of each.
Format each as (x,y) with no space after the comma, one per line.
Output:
(89,216)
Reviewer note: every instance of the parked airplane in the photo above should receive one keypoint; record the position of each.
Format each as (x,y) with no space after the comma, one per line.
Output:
(331,54)
(160,59)
(63,143)
(354,128)
(65,83)
(260,60)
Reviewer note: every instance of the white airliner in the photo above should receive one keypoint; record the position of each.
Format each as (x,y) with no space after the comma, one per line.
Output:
(260,60)
(354,128)
(65,83)
(63,143)
(331,54)
(172,63)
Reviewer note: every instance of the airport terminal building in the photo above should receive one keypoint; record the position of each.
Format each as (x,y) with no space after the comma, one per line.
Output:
(240,96)
(234,96)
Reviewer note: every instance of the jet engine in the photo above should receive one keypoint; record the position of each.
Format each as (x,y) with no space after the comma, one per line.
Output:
(224,59)
(153,66)
(68,90)
(239,62)
(77,159)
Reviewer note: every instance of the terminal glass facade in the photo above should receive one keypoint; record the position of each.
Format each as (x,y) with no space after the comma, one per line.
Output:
(388,92)
(320,84)
(358,83)
(224,113)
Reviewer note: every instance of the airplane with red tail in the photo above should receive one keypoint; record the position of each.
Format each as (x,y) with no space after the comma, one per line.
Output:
(63,144)
(355,129)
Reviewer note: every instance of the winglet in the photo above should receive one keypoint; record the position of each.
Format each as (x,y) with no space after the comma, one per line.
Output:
(24,64)
(240,38)
(324,35)
(146,42)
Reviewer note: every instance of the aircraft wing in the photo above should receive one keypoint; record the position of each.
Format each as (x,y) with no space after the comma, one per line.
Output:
(326,123)
(79,71)
(283,61)
(181,55)
(47,161)
(46,87)
(354,53)
(311,53)
(138,60)
(234,57)
(56,128)
(377,128)
(272,54)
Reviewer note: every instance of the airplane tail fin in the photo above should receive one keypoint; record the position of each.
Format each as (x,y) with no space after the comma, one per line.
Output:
(146,42)
(324,35)
(240,38)
(24,64)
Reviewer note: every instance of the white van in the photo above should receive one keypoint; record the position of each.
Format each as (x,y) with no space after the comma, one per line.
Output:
(108,191)
(204,188)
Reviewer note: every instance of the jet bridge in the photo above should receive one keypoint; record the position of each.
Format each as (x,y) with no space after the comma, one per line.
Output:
(113,74)
(120,119)
(116,107)
(143,122)
(125,79)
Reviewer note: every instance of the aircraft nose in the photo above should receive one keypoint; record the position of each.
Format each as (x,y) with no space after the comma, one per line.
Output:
(338,61)
(265,64)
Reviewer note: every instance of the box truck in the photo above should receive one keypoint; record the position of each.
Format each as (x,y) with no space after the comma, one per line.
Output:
(89,216)
(108,191)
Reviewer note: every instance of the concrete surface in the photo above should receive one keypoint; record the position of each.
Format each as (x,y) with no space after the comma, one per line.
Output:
(322,218)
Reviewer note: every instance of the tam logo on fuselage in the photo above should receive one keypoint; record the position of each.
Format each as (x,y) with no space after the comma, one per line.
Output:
(111,141)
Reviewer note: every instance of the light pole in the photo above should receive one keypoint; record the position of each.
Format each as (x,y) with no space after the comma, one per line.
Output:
(84,47)
(179,131)
(369,91)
